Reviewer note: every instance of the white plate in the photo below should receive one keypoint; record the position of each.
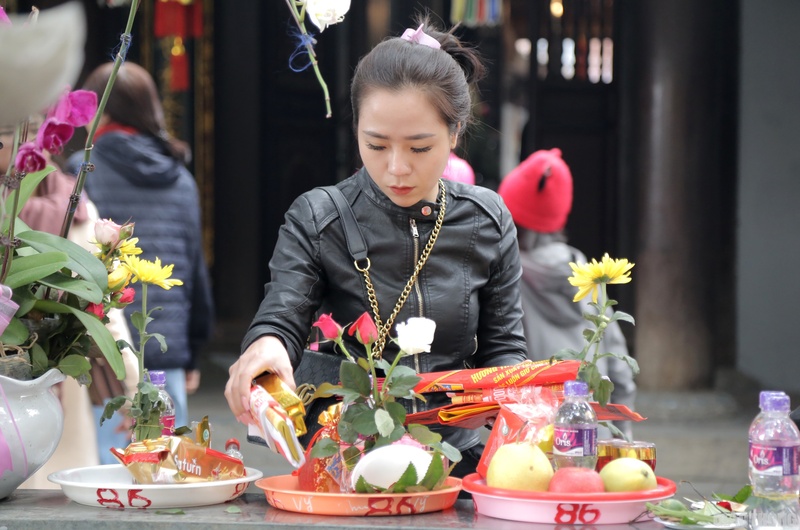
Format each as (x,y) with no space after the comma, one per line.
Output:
(112,487)
(679,526)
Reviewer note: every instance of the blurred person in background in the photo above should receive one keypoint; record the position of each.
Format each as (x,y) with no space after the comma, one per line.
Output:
(538,192)
(140,176)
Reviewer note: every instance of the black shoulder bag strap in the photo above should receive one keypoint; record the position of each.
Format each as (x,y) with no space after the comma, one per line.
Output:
(356,244)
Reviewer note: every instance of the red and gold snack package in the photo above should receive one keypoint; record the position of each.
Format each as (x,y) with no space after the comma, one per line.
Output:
(323,475)
(274,423)
(177,460)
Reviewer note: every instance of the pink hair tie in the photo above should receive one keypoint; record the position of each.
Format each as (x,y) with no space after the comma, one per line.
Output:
(420,37)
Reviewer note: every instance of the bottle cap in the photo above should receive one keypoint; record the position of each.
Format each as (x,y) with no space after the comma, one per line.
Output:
(232,442)
(576,388)
(773,401)
(158,377)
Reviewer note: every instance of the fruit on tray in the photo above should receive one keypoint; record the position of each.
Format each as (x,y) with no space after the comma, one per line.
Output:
(576,480)
(628,474)
(519,466)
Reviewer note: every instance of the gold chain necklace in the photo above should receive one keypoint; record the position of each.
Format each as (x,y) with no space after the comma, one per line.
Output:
(384,328)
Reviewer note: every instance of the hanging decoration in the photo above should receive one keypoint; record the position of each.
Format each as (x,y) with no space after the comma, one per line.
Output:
(472,13)
(179,20)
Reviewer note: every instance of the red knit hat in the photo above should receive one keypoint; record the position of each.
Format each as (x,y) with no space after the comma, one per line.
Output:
(538,192)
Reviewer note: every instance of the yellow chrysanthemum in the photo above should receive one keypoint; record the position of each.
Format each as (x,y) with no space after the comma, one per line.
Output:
(151,272)
(129,248)
(590,276)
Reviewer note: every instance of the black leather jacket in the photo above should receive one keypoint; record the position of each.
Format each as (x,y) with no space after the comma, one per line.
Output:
(469,285)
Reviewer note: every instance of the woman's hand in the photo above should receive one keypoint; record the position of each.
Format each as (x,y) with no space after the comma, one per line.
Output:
(267,354)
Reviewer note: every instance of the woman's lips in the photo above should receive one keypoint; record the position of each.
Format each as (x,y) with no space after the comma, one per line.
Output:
(401,190)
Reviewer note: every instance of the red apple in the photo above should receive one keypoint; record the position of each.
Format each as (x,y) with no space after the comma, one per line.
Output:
(576,480)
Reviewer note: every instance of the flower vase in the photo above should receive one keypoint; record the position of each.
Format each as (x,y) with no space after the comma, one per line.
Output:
(31,423)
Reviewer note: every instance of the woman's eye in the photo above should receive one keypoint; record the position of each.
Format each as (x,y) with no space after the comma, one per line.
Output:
(375,147)
(420,149)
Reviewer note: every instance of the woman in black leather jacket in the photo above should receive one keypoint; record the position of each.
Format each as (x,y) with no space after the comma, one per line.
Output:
(411,101)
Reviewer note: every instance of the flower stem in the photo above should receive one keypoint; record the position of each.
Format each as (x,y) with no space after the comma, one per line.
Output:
(298,19)
(125,42)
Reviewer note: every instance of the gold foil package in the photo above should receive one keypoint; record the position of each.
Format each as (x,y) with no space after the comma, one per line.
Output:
(277,425)
(177,460)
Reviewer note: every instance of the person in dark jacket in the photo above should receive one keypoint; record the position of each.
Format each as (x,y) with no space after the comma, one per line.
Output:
(411,101)
(140,176)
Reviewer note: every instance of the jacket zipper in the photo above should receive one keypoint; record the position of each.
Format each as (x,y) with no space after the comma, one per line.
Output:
(415,236)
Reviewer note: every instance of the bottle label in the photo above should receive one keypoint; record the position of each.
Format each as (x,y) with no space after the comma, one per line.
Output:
(574,441)
(168,424)
(774,461)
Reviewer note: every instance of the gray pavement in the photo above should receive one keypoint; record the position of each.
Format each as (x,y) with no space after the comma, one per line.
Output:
(701,437)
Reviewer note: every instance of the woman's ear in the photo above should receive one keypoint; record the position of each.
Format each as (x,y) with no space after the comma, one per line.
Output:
(454,136)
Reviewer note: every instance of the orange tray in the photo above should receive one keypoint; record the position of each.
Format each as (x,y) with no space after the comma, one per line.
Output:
(283,492)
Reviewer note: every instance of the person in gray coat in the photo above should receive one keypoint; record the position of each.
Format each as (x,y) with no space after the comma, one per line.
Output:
(538,193)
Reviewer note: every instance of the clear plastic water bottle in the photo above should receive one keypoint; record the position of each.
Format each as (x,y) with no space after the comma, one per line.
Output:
(232,449)
(773,467)
(167,420)
(575,429)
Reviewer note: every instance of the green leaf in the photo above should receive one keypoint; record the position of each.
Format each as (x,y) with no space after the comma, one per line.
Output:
(100,334)
(29,269)
(354,378)
(112,406)
(81,261)
(347,432)
(365,422)
(16,333)
(74,365)
(361,485)
(396,411)
(137,319)
(423,434)
(619,315)
(324,447)
(161,340)
(383,364)
(567,354)
(363,363)
(351,456)
(70,284)
(26,188)
(407,479)
(453,454)
(602,394)
(324,390)
(403,386)
(39,361)
(434,474)
(384,422)
(170,511)
(233,509)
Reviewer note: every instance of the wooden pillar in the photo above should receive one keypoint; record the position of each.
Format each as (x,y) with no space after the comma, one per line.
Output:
(680,155)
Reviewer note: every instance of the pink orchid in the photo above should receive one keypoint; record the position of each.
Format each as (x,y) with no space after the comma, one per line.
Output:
(76,108)
(53,135)
(30,158)
(4,17)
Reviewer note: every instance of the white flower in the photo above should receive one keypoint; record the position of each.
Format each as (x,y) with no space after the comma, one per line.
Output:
(324,13)
(416,335)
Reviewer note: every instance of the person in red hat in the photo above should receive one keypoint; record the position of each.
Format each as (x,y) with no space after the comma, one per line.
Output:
(538,193)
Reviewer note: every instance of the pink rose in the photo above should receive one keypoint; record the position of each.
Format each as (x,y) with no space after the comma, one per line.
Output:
(30,158)
(107,232)
(364,329)
(76,108)
(96,310)
(329,328)
(53,135)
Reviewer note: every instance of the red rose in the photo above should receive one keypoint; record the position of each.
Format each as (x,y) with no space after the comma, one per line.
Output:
(329,328)
(96,310)
(364,329)
(127,295)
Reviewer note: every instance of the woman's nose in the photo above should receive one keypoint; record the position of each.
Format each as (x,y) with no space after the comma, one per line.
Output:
(398,163)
